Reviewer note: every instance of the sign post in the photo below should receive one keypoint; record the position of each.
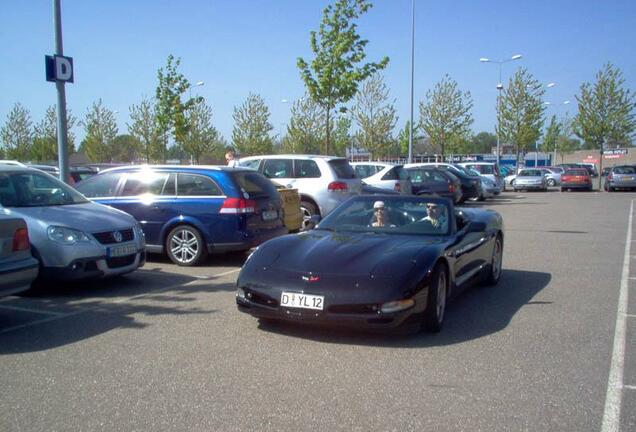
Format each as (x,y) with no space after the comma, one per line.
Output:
(59,69)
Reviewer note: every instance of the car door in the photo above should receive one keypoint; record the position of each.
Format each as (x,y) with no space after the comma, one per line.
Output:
(469,250)
(149,197)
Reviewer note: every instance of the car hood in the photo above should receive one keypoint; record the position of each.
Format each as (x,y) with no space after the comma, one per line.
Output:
(88,217)
(345,253)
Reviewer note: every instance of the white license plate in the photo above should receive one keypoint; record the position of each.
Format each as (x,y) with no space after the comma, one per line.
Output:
(122,250)
(270,215)
(304,301)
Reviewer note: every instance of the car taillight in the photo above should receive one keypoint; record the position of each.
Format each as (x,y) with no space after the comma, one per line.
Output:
(397,187)
(337,187)
(21,240)
(451,187)
(238,206)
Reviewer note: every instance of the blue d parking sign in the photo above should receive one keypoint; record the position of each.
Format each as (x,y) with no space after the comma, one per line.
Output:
(59,68)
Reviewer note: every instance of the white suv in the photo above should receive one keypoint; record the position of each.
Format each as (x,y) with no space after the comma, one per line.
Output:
(323,182)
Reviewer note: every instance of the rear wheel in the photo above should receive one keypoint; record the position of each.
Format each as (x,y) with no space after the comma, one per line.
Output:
(436,301)
(308,210)
(494,273)
(551,182)
(185,246)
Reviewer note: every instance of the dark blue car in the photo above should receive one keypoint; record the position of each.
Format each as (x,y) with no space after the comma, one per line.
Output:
(190,211)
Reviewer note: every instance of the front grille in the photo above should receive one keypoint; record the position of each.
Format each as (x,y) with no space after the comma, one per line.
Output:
(120,261)
(107,237)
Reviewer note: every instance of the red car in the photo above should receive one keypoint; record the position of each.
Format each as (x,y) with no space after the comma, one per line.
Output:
(576,178)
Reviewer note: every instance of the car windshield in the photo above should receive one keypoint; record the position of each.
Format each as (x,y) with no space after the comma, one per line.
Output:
(390,215)
(36,189)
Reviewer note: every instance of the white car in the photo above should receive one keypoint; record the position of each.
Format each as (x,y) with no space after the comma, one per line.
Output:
(384,176)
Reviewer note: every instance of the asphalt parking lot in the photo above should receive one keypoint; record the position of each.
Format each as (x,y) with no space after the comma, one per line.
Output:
(165,348)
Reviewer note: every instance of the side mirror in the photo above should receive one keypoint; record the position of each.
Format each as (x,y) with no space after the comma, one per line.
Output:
(312,222)
(477,227)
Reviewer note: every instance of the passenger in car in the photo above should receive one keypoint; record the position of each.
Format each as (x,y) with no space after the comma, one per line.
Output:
(436,216)
(380,215)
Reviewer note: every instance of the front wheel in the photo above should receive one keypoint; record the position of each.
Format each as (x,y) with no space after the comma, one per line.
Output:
(494,274)
(308,210)
(185,246)
(551,182)
(436,301)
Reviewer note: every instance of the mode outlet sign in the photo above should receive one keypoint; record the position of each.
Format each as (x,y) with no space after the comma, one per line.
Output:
(59,68)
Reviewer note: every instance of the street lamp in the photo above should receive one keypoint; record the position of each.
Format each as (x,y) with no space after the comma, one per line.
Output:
(499,88)
(198,84)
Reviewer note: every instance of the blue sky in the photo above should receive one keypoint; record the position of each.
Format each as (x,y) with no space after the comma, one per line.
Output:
(237,47)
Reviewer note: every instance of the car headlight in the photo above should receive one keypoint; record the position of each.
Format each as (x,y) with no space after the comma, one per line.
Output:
(396,306)
(67,236)
(139,232)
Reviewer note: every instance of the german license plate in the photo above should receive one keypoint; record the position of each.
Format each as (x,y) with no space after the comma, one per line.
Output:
(304,301)
(270,215)
(122,250)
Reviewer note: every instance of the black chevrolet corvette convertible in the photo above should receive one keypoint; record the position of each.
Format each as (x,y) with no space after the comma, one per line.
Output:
(374,262)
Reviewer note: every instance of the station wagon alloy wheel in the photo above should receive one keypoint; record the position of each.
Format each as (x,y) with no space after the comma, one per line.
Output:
(185,246)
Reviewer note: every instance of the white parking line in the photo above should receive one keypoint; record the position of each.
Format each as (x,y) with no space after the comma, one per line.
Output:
(612,412)
(630,387)
(23,309)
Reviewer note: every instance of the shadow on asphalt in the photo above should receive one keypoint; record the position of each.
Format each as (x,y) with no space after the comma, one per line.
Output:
(72,312)
(476,313)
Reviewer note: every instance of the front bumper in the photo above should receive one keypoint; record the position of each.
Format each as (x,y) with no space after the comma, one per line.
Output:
(95,267)
(363,319)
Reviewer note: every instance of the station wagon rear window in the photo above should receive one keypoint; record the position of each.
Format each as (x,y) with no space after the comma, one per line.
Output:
(196,185)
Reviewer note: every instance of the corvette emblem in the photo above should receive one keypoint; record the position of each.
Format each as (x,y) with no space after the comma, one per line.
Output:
(311,278)
(118,237)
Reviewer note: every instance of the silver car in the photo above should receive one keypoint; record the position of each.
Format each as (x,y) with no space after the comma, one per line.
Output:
(323,182)
(528,179)
(384,176)
(18,268)
(71,237)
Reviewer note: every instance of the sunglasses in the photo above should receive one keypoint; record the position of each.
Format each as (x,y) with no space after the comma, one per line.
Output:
(432,207)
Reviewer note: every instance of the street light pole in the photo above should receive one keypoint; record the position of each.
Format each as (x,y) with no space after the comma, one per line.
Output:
(549,104)
(410,159)
(62,133)
(499,88)
(200,83)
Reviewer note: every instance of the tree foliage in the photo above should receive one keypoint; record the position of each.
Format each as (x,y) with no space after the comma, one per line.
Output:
(605,110)
(333,76)
(101,129)
(145,129)
(552,134)
(520,117)
(483,142)
(403,137)
(201,136)
(305,131)
(125,148)
(45,139)
(251,132)
(375,115)
(170,111)
(17,133)
(445,116)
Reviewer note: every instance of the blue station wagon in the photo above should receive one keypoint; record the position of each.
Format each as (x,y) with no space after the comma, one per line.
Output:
(190,211)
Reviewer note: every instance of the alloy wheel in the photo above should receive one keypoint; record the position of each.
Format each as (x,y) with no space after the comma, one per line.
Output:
(184,246)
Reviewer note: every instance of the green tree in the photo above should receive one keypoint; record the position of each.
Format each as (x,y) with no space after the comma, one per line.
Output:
(521,112)
(483,142)
(333,76)
(305,131)
(375,115)
(251,132)
(170,111)
(552,134)
(445,116)
(403,137)
(45,142)
(125,148)
(101,129)
(605,110)
(17,133)
(341,136)
(201,136)
(145,129)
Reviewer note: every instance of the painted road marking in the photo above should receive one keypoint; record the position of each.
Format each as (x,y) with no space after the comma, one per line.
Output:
(23,309)
(612,412)
(630,387)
